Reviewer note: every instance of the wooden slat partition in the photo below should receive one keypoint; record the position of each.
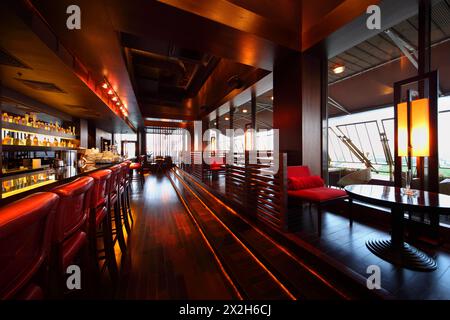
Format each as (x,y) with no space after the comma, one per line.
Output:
(258,189)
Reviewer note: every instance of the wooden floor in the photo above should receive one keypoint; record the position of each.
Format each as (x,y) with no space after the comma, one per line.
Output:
(167,257)
(347,246)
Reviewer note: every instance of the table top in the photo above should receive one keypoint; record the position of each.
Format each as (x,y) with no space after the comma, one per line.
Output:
(395,197)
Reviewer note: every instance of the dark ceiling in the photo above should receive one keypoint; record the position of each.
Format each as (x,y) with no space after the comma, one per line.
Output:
(372,67)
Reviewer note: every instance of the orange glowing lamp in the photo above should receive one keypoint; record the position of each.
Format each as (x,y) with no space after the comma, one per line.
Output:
(419,131)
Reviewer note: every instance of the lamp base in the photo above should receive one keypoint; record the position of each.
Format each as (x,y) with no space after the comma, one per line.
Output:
(409,192)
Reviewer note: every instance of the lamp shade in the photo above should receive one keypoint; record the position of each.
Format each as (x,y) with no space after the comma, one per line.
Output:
(420,128)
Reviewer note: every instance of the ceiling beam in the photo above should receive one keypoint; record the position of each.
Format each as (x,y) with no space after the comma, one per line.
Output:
(337,105)
(408,50)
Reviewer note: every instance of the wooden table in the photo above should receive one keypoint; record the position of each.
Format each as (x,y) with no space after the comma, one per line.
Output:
(395,250)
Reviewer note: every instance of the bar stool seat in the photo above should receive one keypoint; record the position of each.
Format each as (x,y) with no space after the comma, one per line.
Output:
(135,166)
(25,237)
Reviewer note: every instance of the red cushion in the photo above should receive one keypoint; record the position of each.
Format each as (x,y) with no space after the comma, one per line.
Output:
(298,171)
(72,246)
(322,194)
(298,183)
(135,166)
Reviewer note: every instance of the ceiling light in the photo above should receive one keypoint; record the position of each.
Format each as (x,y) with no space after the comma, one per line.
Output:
(118,103)
(114,99)
(110,91)
(105,85)
(271,98)
(337,69)
(215,123)
(244,110)
(226,118)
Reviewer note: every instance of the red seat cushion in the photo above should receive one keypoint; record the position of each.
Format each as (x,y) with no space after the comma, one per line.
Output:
(72,246)
(317,195)
(298,183)
(135,166)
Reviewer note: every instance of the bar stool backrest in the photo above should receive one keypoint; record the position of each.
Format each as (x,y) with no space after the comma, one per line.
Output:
(73,207)
(114,180)
(25,233)
(100,189)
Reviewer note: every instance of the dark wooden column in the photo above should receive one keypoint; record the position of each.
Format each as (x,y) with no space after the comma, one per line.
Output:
(287,111)
(300,108)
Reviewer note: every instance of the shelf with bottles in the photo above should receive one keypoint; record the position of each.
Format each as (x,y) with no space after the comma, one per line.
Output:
(25,182)
(20,140)
(29,123)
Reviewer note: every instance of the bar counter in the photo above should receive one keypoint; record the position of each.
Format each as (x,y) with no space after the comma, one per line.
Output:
(59,176)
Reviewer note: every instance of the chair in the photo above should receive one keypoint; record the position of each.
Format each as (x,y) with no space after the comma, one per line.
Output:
(122,184)
(358,177)
(113,207)
(25,237)
(70,232)
(302,187)
(138,167)
(99,218)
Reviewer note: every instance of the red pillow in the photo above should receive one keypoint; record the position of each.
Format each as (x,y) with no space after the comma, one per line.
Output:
(298,183)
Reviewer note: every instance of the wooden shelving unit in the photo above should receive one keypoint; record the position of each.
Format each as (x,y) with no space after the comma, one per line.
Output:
(8,148)
(26,129)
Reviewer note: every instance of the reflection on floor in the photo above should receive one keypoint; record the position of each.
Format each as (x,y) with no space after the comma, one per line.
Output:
(167,258)
(347,246)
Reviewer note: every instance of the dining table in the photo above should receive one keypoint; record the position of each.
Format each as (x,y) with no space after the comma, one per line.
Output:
(395,249)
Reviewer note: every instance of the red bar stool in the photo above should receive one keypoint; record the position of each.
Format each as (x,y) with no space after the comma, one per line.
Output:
(122,196)
(25,237)
(70,239)
(128,189)
(125,183)
(99,218)
(114,206)
(138,167)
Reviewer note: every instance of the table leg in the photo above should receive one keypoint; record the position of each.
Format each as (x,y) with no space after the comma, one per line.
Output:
(396,251)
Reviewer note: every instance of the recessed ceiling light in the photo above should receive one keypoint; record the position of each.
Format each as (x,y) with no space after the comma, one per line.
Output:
(244,110)
(215,123)
(226,118)
(105,85)
(114,99)
(110,92)
(337,69)
(271,98)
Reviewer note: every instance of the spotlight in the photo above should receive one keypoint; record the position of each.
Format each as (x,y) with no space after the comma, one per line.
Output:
(110,91)
(105,85)
(114,99)
(337,69)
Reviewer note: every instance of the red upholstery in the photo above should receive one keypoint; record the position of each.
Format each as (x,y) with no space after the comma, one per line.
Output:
(70,225)
(113,185)
(25,233)
(32,292)
(298,171)
(73,207)
(100,188)
(135,166)
(297,183)
(317,195)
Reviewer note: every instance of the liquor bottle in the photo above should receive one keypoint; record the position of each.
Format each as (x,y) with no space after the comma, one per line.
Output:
(28,141)
(35,141)
(55,142)
(7,138)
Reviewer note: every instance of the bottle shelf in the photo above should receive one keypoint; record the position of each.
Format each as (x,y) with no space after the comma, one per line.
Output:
(7,147)
(26,129)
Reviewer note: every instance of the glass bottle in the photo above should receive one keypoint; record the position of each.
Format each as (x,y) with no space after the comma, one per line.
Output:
(28,141)
(35,141)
